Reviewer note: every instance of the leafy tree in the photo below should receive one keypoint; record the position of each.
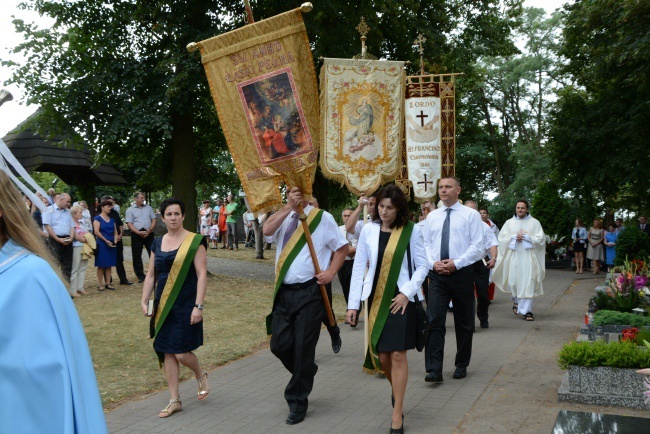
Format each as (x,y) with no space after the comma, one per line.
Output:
(513,101)
(632,243)
(117,73)
(601,124)
(552,210)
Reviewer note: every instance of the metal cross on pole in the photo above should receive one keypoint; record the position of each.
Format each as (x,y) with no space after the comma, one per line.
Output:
(419,41)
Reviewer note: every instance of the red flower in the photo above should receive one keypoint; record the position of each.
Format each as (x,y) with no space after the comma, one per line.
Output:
(629,334)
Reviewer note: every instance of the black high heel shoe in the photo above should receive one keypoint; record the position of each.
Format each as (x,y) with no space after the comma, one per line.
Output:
(399,430)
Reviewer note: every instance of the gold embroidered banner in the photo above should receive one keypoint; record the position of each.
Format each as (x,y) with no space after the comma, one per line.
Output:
(361,121)
(263,84)
(423,150)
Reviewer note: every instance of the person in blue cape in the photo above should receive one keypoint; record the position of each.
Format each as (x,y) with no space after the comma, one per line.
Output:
(47,379)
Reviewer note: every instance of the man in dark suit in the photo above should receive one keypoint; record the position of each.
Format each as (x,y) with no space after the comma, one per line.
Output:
(643,225)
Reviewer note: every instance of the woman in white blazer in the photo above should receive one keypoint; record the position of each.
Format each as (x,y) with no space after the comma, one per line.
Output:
(387,246)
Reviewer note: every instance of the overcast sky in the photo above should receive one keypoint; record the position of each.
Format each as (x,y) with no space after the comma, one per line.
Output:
(14,112)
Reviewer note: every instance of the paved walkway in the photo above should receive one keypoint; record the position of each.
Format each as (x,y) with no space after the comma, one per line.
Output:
(247,395)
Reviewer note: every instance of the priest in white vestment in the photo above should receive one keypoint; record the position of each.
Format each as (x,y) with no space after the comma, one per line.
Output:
(520,265)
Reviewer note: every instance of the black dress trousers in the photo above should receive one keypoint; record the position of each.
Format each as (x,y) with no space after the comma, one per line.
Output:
(297,314)
(482,282)
(458,287)
(137,243)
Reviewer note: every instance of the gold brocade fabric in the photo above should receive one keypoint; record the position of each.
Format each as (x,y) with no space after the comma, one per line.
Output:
(362,113)
(263,84)
(378,298)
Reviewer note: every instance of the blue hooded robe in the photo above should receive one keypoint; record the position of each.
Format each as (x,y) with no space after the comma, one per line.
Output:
(47,379)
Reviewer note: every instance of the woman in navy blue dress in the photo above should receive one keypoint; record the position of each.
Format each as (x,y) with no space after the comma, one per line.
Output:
(106,255)
(182,330)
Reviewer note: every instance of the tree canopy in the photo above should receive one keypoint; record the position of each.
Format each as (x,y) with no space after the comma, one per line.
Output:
(117,72)
(601,124)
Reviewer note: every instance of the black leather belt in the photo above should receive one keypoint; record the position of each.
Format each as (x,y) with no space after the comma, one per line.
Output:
(303,285)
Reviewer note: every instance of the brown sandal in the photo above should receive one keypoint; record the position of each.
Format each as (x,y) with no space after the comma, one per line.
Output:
(168,411)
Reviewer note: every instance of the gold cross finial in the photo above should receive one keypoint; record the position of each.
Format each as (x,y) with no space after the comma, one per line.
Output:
(419,41)
(363,28)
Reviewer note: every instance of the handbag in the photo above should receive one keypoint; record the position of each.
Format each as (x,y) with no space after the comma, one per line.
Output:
(422,320)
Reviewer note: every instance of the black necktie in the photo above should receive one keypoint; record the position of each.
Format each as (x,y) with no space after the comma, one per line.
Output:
(444,240)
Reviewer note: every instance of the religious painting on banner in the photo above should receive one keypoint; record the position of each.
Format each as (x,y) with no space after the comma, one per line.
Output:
(361,121)
(423,134)
(263,84)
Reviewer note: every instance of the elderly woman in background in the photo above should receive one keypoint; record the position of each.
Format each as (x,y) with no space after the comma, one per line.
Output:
(390,241)
(79,264)
(579,235)
(105,230)
(177,323)
(610,245)
(595,252)
(48,380)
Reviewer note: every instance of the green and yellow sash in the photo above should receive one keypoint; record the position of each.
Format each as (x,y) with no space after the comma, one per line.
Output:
(289,253)
(175,280)
(385,291)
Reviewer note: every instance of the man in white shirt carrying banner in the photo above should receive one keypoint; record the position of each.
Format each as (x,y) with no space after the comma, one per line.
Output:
(298,306)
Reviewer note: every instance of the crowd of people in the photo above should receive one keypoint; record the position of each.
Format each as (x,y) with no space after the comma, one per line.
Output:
(76,234)
(387,264)
(220,223)
(599,244)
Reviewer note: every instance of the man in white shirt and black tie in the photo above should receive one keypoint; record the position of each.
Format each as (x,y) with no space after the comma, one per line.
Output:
(453,239)
(298,304)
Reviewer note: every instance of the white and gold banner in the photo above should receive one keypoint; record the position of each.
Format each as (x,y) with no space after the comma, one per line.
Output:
(423,133)
(361,121)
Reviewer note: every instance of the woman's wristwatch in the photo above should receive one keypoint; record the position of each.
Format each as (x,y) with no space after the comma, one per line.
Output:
(199,306)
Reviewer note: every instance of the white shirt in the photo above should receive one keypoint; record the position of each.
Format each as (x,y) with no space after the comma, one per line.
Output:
(489,240)
(494,228)
(140,217)
(59,219)
(351,238)
(465,235)
(327,239)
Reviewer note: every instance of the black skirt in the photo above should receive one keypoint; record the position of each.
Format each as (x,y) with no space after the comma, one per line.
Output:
(579,247)
(400,331)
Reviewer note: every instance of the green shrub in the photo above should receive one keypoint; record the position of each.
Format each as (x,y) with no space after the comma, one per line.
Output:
(632,243)
(642,336)
(614,355)
(608,317)
(602,301)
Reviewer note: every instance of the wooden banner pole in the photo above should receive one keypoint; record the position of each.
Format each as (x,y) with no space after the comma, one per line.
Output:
(326,301)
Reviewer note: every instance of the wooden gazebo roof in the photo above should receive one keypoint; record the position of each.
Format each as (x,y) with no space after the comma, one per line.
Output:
(70,162)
